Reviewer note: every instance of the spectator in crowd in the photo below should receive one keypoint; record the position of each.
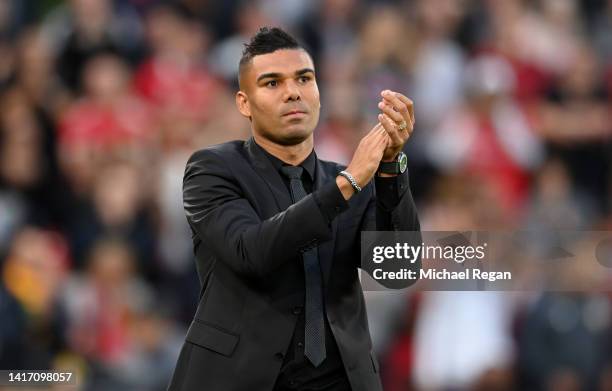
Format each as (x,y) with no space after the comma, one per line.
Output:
(575,121)
(117,323)
(33,274)
(489,136)
(564,338)
(118,207)
(82,29)
(175,78)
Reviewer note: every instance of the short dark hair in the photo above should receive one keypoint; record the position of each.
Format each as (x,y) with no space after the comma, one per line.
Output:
(267,40)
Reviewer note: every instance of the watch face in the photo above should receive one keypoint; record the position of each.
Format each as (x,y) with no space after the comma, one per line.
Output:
(403,162)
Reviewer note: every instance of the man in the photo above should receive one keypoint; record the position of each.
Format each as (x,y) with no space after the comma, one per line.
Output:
(276,235)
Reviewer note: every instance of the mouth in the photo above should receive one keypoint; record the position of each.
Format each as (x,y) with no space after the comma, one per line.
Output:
(294,113)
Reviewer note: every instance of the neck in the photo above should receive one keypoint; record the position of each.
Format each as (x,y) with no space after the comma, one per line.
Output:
(290,154)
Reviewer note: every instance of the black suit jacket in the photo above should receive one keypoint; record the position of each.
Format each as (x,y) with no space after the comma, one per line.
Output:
(247,241)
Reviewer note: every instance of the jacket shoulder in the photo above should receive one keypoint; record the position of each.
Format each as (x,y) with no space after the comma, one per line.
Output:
(216,160)
(227,150)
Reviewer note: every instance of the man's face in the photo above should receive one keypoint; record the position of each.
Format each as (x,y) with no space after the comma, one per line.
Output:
(279,94)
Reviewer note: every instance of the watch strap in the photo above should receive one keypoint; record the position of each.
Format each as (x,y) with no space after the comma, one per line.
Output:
(389,167)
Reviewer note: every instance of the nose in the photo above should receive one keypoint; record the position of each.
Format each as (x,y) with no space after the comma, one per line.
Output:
(292,92)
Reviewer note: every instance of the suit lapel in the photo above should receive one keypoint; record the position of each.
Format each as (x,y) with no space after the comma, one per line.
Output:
(266,170)
(326,249)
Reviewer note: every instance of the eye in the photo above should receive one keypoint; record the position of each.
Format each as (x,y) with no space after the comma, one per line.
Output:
(271,83)
(304,79)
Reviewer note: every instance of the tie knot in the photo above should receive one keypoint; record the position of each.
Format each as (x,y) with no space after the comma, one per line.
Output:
(292,172)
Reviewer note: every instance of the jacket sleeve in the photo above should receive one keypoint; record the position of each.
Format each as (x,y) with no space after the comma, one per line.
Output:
(223,218)
(392,207)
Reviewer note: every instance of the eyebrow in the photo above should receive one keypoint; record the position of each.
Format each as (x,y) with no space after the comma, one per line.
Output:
(275,75)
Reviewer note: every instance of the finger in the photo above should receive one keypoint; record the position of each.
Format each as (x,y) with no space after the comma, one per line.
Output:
(365,139)
(404,105)
(372,135)
(380,135)
(389,126)
(379,131)
(389,97)
(383,144)
(392,99)
(385,141)
(377,128)
(377,136)
(391,129)
(379,140)
(409,104)
(390,111)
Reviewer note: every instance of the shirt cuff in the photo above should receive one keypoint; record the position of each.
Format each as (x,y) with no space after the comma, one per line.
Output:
(330,200)
(389,190)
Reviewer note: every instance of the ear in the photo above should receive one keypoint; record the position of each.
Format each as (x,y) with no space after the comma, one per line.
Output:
(242,102)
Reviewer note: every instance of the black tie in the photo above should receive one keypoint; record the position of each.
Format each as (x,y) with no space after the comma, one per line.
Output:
(314,328)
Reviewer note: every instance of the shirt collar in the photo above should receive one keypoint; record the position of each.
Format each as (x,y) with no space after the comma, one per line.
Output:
(309,164)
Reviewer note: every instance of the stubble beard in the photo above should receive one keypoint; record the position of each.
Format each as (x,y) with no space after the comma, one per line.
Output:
(289,138)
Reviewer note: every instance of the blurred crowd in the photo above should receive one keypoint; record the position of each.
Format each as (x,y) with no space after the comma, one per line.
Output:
(103,101)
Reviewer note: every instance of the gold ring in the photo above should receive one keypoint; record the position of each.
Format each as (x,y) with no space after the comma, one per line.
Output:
(403,125)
